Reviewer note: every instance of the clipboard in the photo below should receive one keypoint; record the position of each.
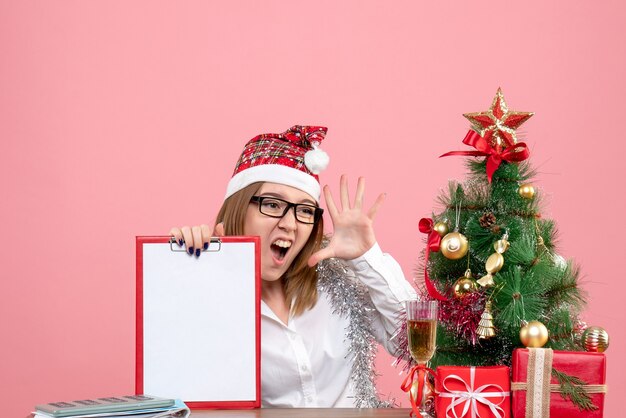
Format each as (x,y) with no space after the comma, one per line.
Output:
(198,322)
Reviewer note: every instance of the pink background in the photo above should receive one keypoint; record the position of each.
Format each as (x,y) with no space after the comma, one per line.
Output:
(124,118)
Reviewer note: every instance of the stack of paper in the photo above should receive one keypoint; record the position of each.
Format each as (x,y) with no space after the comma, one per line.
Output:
(133,406)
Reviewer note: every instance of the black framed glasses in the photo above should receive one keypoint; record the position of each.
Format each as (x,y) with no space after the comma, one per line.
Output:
(277,208)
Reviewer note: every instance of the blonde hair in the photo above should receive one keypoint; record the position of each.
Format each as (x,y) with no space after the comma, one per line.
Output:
(299,281)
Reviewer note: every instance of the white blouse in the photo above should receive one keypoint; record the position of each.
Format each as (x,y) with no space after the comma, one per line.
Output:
(305,363)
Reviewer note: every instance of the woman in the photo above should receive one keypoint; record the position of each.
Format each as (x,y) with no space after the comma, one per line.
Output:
(321,307)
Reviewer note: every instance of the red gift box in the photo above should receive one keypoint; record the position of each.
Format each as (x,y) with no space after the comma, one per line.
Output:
(536,389)
(473,392)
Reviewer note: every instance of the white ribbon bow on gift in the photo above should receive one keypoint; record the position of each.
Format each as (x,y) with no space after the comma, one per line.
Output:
(472,396)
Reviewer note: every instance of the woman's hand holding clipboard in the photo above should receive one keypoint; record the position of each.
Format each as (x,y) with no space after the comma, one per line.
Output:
(196,238)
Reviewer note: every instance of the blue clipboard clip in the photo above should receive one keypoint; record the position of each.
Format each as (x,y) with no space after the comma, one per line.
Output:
(212,248)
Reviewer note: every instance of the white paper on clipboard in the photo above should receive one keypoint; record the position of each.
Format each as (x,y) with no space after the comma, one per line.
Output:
(198,322)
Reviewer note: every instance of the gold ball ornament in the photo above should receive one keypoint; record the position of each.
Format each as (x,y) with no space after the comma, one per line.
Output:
(533,334)
(527,191)
(465,285)
(595,339)
(441,228)
(454,245)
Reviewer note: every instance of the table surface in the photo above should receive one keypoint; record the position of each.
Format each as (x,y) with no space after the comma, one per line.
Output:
(303,413)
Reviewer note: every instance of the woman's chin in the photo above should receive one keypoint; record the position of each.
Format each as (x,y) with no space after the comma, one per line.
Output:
(272,273)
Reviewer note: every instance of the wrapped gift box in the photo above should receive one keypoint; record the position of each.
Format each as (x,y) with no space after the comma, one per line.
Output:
(473,391)
(536,392)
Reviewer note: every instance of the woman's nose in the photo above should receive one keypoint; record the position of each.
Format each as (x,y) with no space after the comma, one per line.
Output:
(288,221)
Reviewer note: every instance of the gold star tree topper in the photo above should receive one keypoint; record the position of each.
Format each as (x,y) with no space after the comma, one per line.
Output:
(500,121)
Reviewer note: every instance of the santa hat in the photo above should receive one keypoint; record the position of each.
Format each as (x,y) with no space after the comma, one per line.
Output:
(292,158)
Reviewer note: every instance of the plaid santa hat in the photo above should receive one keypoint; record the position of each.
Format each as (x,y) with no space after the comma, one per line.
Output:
(292,158)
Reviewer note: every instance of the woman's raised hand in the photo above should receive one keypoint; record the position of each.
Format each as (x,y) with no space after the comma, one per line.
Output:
(196,238)
(353,228)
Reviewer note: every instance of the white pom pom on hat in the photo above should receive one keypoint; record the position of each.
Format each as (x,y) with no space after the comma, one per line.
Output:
(292,158)
(316,159)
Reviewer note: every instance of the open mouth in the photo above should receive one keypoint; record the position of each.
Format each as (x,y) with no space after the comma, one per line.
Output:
(280,248)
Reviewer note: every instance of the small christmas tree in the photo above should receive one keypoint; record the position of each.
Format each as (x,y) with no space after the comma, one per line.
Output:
(491,258)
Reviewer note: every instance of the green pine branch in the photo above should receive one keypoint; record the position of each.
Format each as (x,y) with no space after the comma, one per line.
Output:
(571,387)
(560,325)
(563,287)
(520,297)
(523,250)
(520,172)
(548,232)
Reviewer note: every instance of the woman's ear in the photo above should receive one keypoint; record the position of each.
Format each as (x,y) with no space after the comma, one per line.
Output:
(219,230)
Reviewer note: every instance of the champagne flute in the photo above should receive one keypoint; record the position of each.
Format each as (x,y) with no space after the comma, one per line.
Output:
(422,338)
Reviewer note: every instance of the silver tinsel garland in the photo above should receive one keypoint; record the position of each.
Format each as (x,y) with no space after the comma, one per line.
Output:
(350,299)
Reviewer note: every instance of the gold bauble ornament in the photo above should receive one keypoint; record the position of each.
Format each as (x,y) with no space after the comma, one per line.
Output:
(595,339)
(465,285)
(527,191)
(454,245)
(441,228)
(533,334)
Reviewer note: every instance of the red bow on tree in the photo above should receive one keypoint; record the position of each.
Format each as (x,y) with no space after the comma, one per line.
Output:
(434,241)
(495,155)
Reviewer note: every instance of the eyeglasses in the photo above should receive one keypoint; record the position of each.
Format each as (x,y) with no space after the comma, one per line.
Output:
(277,208)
